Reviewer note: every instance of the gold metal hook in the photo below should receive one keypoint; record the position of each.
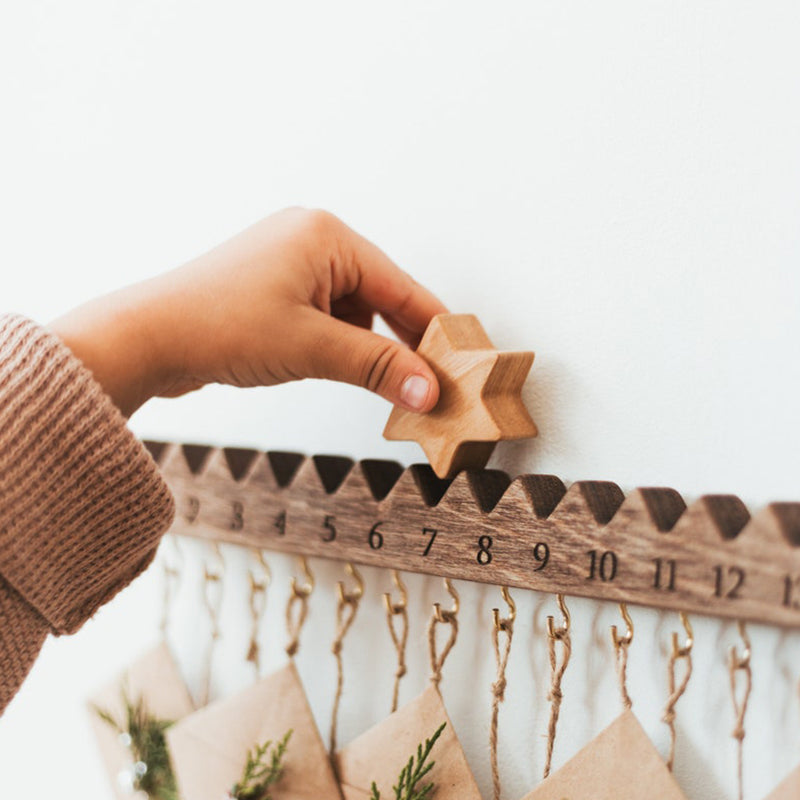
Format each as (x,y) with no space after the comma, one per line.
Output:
(677,650)
(357,592)
(507,623)
(444,615)
(211,574)
(743,661)
(260,583)
(563,631)
(308,587)
(620,641)
(402,604)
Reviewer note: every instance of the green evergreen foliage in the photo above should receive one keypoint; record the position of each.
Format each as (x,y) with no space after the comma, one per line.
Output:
(148,746)
(263,769)
(413,772)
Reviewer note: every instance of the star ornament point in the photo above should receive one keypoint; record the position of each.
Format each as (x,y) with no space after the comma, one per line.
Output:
(480,400)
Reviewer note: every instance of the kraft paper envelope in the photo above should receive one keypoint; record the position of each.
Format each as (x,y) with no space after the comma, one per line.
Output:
(619,764)
(380,753)
(155,679)
(789,789)
(209,748)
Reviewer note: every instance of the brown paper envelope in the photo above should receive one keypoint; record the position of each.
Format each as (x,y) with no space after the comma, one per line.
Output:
(154,677)
(789,789)
(619,764)
(209,748)
(380,753)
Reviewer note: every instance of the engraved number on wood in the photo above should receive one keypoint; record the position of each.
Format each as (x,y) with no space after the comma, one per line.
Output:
(237,520)
(728,581)
(193,508)
(330,528)
(375,537)
(602,565)
(484,554)
(542,555)
(431,532)
(665,574)
(280,523)
(791,590)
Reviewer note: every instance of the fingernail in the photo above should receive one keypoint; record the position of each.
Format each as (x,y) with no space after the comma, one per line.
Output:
(414,392)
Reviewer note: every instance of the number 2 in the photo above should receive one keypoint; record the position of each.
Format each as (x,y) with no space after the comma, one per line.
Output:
(736,575)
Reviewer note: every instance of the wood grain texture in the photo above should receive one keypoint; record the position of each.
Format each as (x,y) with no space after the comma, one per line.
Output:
(479,401)
(590,539)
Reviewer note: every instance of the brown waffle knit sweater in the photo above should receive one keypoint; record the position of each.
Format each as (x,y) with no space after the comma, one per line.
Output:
(82,504)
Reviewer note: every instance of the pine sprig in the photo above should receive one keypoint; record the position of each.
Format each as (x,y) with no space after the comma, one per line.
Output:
(413,773)
(144,735)
(263,769)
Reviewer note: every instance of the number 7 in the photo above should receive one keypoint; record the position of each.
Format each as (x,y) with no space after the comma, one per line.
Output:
(432,532)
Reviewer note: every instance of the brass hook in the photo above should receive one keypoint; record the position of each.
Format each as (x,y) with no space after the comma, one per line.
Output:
(351,596)
(743,661)
(677,650)
(401,605)
(508,623)
(210,574)
(256,584)
(308,587)
(620,641)
(442,615)
(563,631)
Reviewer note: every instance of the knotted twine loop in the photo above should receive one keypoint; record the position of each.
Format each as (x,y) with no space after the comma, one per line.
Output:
(393,610)
(260,578)
(297,608)
(213,572)
(441,616)
(676,690)
(346,610)
(621,645)
(172,575)
(740,664)
(505,626)
(557,669)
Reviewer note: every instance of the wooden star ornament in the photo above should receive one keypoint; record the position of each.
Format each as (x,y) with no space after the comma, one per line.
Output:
(479,402)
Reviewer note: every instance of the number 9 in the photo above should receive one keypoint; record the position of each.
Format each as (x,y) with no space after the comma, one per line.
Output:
(542,554)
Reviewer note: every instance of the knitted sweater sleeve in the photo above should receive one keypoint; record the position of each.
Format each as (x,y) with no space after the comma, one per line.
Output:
(82,503)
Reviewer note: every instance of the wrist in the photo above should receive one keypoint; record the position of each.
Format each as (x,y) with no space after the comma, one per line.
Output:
(114,338)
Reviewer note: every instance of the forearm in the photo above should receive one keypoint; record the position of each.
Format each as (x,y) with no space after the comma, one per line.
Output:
(82,505)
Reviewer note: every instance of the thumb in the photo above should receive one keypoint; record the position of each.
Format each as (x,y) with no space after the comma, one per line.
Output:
(343,352)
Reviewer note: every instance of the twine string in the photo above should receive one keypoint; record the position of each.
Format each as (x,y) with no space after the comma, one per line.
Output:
(558,666)
(346,610)
(442,616)
(621,646)
(172,574)
(677,688)
(399,610)
(212,600)
(260,578)
(297,608)
(740,664)
(501,653)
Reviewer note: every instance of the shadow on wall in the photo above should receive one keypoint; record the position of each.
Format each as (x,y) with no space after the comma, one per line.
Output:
(547,394)
(691,772)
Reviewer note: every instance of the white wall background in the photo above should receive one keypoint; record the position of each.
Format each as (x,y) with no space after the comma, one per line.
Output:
(613,184)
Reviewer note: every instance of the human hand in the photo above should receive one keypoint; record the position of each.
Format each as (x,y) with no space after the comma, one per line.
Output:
(294,296)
